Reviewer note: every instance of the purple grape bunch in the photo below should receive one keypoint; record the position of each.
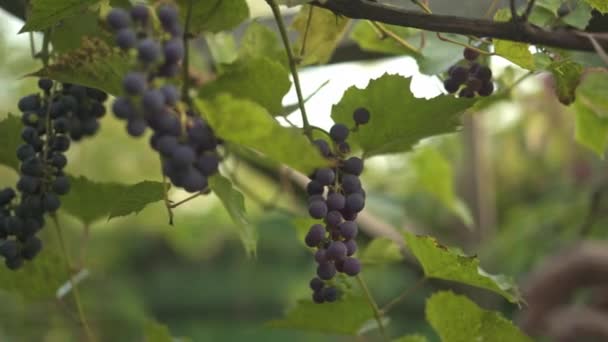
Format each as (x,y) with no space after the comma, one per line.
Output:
(186,143)
(63,113)
(335,195)
(469,78)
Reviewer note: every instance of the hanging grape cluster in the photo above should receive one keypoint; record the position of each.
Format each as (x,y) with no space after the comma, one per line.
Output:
(63,112)
(469,78)
(185,142)
(335,196)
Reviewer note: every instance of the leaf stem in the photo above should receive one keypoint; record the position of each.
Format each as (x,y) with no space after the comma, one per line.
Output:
(166,194)
(404,295)
(374,306)
(75,291)
(185,200)
(292,65)
(394,36)
(186,61)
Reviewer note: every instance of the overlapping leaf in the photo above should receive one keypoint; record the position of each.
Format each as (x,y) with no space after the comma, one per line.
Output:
(591,110)
(47,13)
(215,15)
(10,139)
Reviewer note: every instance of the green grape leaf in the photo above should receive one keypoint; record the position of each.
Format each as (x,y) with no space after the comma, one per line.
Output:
(398,119)
(222,47)
(592,92)
(381,251)
(44,14)
(550,5)
(600,5)
(580,16)
(367,38)
(234,202)
(567,75)
(156,332)
(10,140)
(437,55)
(258,79)
(591,130)
(68,36)
(90,201)
(456,318)
(40,279)
(260,41)
(516,52)
(317,44)
(445,263)
(95,65)
(246,123)
(346,316)
(411,338)
(434,174)
(215,15)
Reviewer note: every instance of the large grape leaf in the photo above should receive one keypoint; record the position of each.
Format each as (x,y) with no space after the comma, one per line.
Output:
(516,52)
(68,36)
(95,65)
(156,332)
(456,318)
(580,16)
(591,110)
(10,139)
(246,123)
(446,263)
(347,316)
(600,5)
(234,202)
(258,79)
(367,38)
(260,41)
(398,119)
(381,251)
(592,92)
(215,15)
(90,201)
(567,75)
(44,14)
(317,44)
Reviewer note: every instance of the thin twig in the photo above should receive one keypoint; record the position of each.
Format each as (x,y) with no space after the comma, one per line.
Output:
(528,10)
(404,295)
(514,15)
(491,8)
(395,37)
(374,306)
(75,291)
(186,200)
(292,65)
(445,39)
(306,30)
(166,195)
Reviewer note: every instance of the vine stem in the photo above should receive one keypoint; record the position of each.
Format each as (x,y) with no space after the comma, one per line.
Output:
(404,295)
(374,306)
(394,36)
(292,65)
(529,9)
(186,61)
(75,291)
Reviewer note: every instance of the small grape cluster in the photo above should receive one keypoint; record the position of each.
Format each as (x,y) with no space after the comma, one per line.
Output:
(470,78)
(64,111)
(187,145)
(336,196)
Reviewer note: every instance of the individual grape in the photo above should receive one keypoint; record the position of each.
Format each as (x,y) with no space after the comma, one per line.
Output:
(136,127)
(51,202)
(98,110)
(58,160)
(29,103)
(13,224)
(29,134)
(61,125)
(323,147)
(28,184)
(31,248)
(170,93)
(134,83)
(314,198)
(351,266)
(459,75)
(315,235)
(166,145)
(167,15)
(194,181)
(140,14)
(335,201)
(153,101)
(32,167)
(353,165)
(126,38)
(484,73)
(123,108)
(30,119)
(173,50)
(361,116)
(355,202)
(466,92)
(45,84)
(348,230)
(61,185)
(320,255)
(336,251)
(317,209)
(351,247)
(183,155)
(351,183)
(89,126)
(326,270)
(14,263)
(451,85)
(118,19)
(314,188)
(339,132)
(333,218)
(487,88)
(474,84)
(325,176)
(6,195)
(330,294)
(316,284)
(470,54)
(474,67)
(208,164)
(317,297)
(60,143)
(148,51)
(9,249)
(25,152)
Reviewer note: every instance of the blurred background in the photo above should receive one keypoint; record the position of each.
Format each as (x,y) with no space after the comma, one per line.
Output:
(526,183)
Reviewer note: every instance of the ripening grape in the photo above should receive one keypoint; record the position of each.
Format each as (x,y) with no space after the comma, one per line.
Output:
(361,116)
(339,132)
(470,54)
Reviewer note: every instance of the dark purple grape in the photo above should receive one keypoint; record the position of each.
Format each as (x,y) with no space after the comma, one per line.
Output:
(90,126)
(314,188)
(14,263)
(330,294)
(353,165)
(351,266)
(58,160)
(361,116)
(134,83)
(474,68)
(60,143)
(140,14)
(173,50)
(31,248)
(459,75)
(335,201)
(25,152)
(339,132)
(208,164)
(194,181)
(168,16)
(316,284)
(326,270)
(466,92)
(6,195)
(351,247)
(126,39)
(13,224)
(325,176)
(61,185)
(333,218)
(451,85)
(171,94)
(28,184)
(315,235)
(355,202)
(51,202)
(136,127)
(9,249)
(487,88)
(474,84)
(336,251)
(123,108)
(317,209)
(483,73)
(351,183)
(320,256)
(148,51)
(470,54)
(323,147)
(30,119)
(153,101)
(118,19)
(348,230)
(45,84)
(183,155)
(29,103)
(166,145)
(317,297)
